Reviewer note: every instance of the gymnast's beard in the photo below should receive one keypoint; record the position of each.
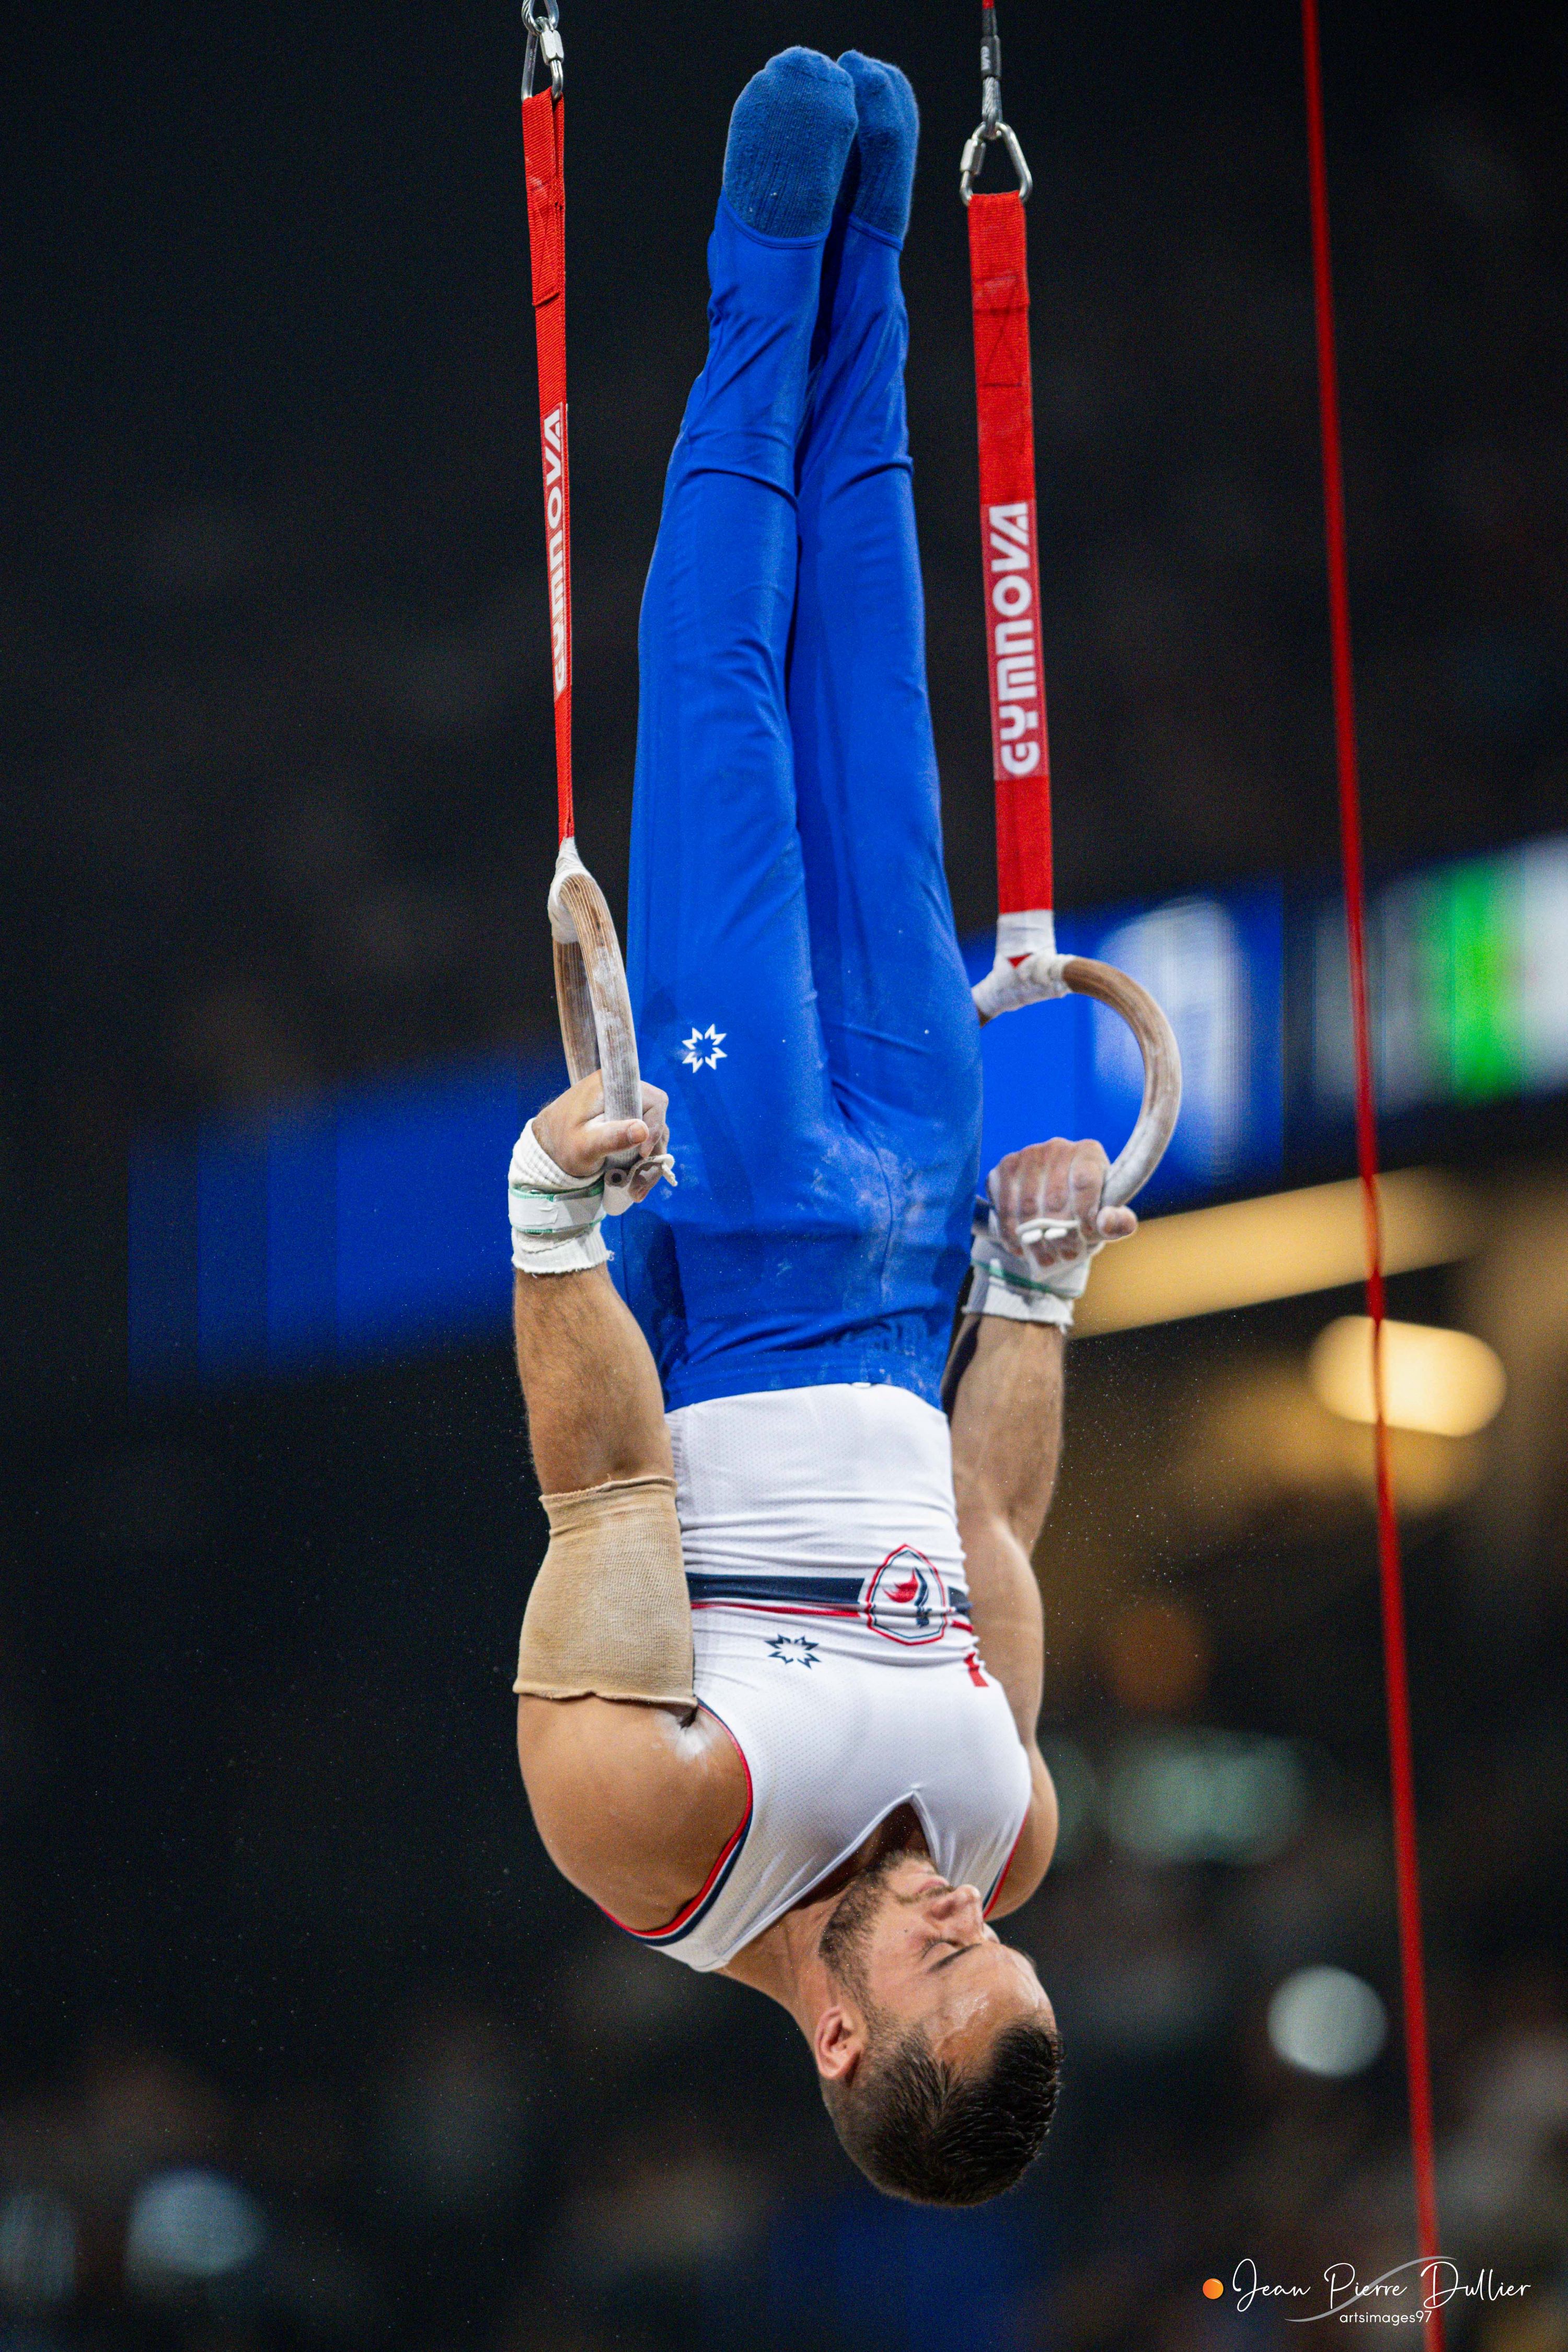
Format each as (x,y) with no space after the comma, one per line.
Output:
(845,1941)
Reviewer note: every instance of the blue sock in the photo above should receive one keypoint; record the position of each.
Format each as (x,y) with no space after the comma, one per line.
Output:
(881,170)
(790,137)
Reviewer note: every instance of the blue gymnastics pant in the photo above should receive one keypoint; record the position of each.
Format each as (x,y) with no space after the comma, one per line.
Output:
(794,969)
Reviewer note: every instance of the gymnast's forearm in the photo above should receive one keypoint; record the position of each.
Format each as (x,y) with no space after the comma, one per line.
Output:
(607,1617)
(595,1412)
(1005,1400)
(1005,1404)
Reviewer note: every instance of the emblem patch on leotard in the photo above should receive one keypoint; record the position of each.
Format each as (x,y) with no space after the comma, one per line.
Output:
(907,1600)
(704,1049)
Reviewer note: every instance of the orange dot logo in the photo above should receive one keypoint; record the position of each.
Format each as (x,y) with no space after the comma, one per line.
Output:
(1213,2288)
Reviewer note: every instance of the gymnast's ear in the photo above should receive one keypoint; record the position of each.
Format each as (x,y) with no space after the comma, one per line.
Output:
(837,2044)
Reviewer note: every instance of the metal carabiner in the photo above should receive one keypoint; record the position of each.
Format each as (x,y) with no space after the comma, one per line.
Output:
(982,136)
(543,18)
(991,127)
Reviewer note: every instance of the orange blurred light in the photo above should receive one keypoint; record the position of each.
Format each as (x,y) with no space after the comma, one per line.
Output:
(1447,1383)
(1208,1261)
(1157,1654)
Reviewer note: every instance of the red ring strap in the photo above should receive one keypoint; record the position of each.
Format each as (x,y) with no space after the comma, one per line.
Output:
(1020,754)
(543,144)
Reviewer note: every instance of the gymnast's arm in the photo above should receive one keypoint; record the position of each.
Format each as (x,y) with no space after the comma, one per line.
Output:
(1004,1396)
(1006,1435)
(632,1801)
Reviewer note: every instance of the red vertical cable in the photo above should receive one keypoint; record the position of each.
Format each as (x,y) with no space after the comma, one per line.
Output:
(1396,1671)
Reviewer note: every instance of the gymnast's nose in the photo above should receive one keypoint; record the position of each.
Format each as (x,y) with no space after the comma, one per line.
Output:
(961,1908)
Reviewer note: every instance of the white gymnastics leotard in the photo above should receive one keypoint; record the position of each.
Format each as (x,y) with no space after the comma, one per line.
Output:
(833,1639)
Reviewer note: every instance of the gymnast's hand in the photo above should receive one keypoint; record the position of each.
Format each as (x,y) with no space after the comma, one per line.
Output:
(580,1139)
(1056,1184)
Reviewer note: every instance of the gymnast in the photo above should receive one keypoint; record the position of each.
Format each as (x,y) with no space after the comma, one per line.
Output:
(781,1668)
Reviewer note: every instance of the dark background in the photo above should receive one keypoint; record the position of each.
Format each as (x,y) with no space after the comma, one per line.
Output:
(273,578)
(278,811)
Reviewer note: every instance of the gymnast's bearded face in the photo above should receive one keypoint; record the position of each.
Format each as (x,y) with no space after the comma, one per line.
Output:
(937,2049)
(913,1953)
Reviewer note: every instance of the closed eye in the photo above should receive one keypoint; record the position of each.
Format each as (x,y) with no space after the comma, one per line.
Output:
(956,1948)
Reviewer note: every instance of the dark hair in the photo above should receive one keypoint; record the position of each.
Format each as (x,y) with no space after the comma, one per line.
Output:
(918,2129)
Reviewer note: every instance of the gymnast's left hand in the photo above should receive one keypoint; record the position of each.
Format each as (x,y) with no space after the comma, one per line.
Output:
(1056,1182)
(580,1139)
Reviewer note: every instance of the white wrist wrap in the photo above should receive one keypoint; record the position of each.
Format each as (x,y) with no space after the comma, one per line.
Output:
(1017,1289)
(1027,970)
(1004,1285)
(554,1217)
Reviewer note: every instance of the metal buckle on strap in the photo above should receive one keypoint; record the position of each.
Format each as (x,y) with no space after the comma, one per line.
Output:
(991,127)
(982,136)
(543,18)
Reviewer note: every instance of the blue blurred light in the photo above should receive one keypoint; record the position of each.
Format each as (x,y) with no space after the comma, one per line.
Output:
(37,2250)
(190,2228)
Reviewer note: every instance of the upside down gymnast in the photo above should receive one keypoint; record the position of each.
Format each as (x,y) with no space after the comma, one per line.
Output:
(780,1670)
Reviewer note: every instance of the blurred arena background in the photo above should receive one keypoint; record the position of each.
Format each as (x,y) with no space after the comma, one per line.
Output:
(302,2045)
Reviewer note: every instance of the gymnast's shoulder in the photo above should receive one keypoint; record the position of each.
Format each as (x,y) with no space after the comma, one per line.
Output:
(632,1802)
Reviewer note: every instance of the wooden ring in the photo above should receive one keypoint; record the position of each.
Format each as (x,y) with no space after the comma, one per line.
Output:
(596,1008)
(1144,1148)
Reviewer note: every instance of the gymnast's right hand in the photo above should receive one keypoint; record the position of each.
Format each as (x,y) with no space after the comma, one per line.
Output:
(580,1139)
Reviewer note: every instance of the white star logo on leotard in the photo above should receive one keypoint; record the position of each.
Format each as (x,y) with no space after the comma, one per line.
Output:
(792,1650)
(703,1050)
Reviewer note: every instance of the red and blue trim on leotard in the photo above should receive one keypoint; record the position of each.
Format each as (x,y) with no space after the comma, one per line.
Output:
(995,1894)
(801,1596)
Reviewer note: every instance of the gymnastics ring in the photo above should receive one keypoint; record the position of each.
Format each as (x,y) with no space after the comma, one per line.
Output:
(595,1009)
(1156,1121)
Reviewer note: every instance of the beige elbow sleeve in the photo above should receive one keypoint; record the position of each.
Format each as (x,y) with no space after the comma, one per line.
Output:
(608,1616)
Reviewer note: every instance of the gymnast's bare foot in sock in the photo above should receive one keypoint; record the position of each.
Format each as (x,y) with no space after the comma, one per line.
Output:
(790,138)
